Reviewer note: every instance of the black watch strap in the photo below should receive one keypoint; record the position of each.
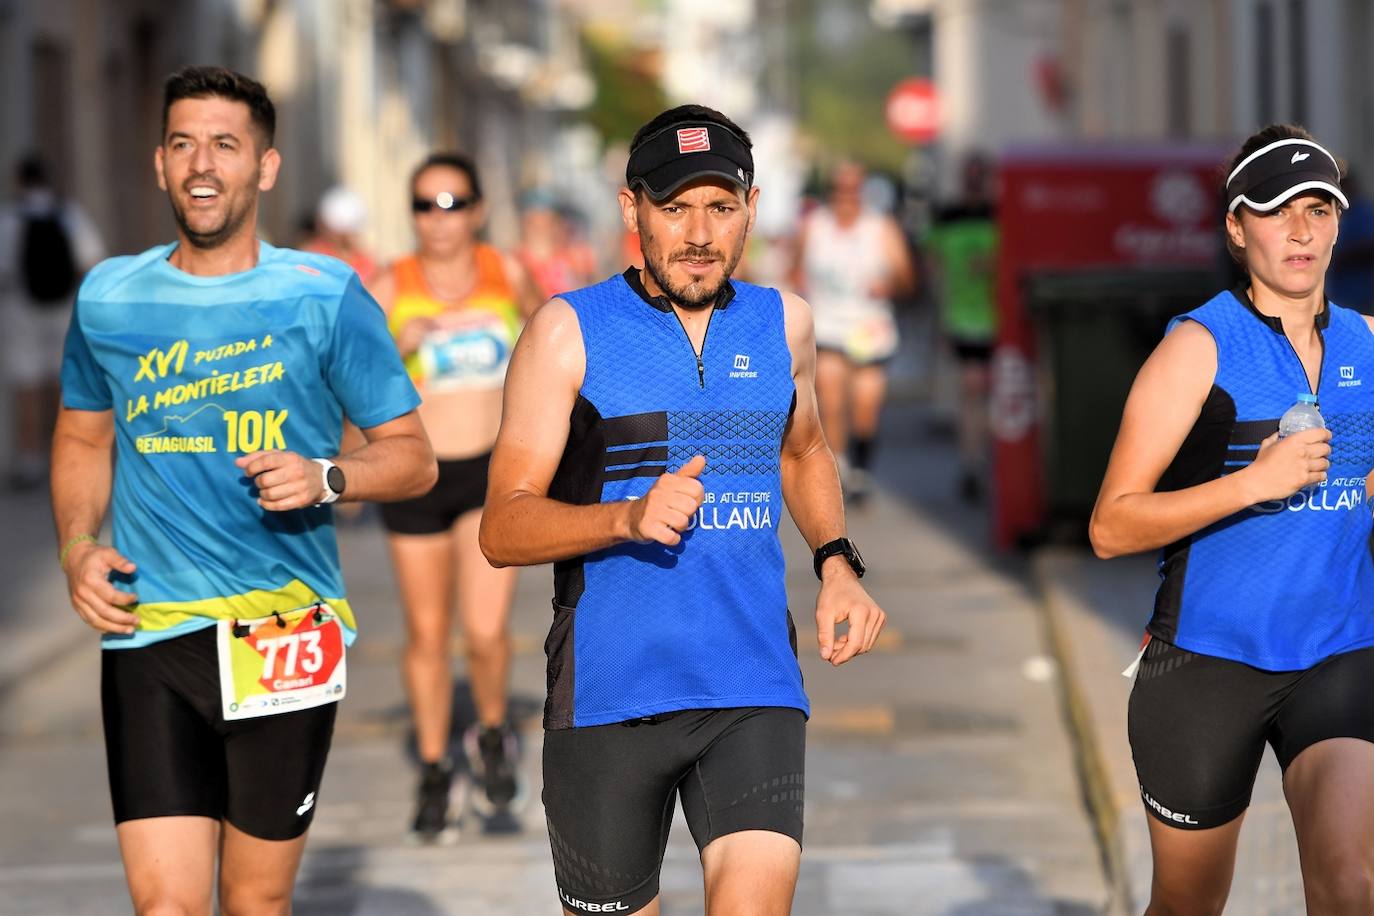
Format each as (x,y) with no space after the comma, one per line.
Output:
(840,547)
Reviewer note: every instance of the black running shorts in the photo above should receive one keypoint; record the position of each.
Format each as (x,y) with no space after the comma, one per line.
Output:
(609,792)
(461,488)
(170,752)
(1198,725)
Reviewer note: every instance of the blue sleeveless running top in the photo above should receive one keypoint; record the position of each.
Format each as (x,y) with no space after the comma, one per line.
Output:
(642,629)
(1283,584)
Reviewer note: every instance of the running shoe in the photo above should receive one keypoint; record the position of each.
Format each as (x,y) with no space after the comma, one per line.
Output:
(432,800)
(494,757)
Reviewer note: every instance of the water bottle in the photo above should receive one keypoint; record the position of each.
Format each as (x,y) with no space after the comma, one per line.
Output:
(1302,415)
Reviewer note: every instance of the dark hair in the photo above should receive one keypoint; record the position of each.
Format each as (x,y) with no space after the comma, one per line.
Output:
(1258,141)
(32,173)
(683,114)
(459,161)
(222,83)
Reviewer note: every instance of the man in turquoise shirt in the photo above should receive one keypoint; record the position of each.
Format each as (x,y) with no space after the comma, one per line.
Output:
(218,370)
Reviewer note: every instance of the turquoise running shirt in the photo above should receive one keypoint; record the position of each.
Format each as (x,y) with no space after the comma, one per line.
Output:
(200,370)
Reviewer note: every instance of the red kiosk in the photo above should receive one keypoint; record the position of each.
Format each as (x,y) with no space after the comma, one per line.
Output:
(1093,225)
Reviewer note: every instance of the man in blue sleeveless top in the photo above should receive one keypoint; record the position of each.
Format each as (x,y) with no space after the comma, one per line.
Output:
(217,370)
(650,460)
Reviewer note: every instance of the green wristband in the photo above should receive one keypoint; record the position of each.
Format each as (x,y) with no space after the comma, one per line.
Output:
(62,557)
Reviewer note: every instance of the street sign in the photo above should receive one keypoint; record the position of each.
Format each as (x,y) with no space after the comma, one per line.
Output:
(913,110)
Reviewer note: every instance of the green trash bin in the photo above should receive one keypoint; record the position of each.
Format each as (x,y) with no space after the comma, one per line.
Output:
(1094,329)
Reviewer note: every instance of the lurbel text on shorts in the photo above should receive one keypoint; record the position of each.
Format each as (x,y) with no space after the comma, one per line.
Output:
(1321,498)
(616,907)
(1176,816)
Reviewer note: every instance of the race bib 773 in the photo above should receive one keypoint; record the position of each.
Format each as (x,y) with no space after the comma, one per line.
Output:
(289,661)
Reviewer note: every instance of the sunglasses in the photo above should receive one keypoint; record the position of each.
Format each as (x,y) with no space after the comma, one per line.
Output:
(442,201)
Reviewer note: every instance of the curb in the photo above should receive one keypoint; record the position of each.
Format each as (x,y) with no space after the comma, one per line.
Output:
(1092,764)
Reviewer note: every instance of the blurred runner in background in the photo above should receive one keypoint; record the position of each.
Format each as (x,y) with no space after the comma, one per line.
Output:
(47,243)
(963,246)
(455,308)
(339,223)
(851,262)
(1350,281)
(557,260)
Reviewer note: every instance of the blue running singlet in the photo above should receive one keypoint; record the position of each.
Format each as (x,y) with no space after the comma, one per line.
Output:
(1283,584)
(643,629)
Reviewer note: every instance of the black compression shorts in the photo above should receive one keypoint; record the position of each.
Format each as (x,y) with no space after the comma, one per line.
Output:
(1198,725)
(461,488)
(609,793)
(170,752)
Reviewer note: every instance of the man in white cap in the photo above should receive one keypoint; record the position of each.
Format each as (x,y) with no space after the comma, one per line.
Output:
(339,221)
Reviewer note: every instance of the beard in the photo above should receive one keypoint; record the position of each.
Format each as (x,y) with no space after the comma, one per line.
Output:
(695,294)
(235,214)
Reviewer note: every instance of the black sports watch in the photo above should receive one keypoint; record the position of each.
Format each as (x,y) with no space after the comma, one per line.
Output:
(840,546)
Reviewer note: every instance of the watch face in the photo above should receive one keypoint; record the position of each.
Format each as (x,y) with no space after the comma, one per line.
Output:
(856,561)
(334,478)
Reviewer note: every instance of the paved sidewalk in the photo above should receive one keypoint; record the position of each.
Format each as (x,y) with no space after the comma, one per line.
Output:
(940,773)
(1098,610)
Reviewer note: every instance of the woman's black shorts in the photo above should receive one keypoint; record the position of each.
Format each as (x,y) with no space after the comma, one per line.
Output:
(1198,725)
(462,487)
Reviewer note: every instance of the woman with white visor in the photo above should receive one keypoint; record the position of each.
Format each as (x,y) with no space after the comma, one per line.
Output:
(1263,625)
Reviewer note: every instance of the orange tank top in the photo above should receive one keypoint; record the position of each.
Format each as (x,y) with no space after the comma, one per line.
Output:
(471,343)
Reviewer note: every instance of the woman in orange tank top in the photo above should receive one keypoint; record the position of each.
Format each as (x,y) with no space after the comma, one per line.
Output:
(455,307)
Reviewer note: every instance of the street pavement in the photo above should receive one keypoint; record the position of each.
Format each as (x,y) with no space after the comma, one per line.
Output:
(941,774)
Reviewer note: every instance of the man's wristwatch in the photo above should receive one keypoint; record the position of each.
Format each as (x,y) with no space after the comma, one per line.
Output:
(840,547)
(333,480)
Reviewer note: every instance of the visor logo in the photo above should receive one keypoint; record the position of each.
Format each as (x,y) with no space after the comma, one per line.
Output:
(1299,157)
(693,140)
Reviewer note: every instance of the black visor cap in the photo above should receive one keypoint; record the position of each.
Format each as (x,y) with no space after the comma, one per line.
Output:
(1281,171)
(686,152)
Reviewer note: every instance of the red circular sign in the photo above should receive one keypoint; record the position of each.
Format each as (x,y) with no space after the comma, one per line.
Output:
(913,110)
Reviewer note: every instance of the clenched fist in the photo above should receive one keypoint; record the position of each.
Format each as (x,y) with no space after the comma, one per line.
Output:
(284,480)
(666,510)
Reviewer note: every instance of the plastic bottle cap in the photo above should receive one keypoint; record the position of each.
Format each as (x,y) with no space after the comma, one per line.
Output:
(1307,398)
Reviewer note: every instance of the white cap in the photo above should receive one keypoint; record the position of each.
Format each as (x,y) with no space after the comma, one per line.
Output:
(342,210)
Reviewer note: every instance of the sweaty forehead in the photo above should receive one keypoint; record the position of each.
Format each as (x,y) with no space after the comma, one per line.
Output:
(210,115)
